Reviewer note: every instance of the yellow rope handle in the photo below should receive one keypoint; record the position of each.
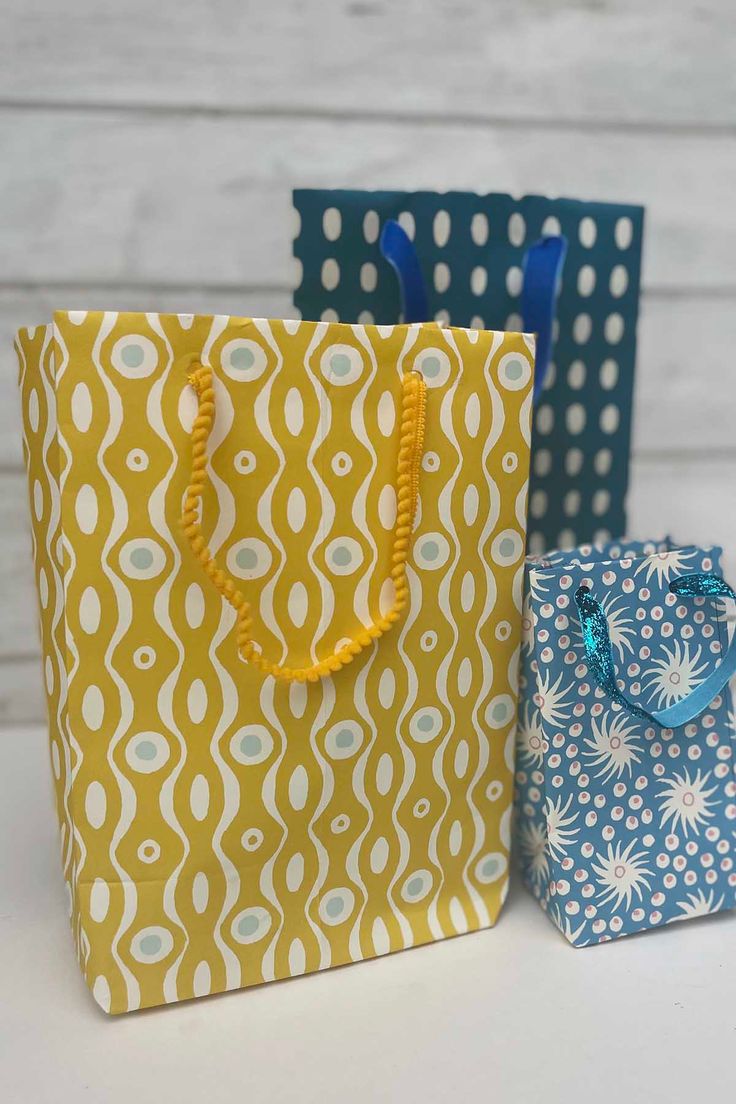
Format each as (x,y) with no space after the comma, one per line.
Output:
(411,445)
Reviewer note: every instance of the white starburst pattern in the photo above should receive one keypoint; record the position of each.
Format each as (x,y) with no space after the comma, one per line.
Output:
(552,701)
(563,923)
(622,873)
(560,834)
(686,802)
(664,565)
(531,737)
(698,904)
(533,846)
(675,675)
(537,583)
(527,623)
(613,748)
(620,627)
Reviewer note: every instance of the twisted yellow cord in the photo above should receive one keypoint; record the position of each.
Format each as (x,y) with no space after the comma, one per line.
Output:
(411,445)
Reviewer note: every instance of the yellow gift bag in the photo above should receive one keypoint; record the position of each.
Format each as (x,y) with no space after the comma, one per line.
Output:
(279,567)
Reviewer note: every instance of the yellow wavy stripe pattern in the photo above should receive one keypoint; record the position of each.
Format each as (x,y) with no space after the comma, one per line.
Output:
(221,828)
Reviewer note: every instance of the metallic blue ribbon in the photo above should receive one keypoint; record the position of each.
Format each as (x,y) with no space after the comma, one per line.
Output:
(398,249)
(599,656)
(542,267)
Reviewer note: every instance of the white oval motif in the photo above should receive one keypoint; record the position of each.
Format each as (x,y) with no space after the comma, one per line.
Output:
(387,688)
(202,980)
(298,699)
(295,872)
(455,841)
(95,804)
(187,408)
(505,828)
(464,677)
(200,891)
(152,944)
(194,605)
(296,510)
(343,739)
(387,507)
(38,500)
(458,917)
(33,410)
(99,900)
(336,906)
(467,591)
(491,867)
(85,509)
(379,855)
(81,406)
(101,992)
(55,760)
(386,413)
(387,596)
(380,936)
(49,673)
(197,701)
(93,708)
(470,504)
(472,415)
(43,589)
(384,774)
(462,755)
(251,924)
(294,412)
(243,360)
(298,604)
(90,610)
(199,797)
(297,958)
(299,788)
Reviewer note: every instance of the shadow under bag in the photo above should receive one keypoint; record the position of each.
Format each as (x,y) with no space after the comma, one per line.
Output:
(625,785)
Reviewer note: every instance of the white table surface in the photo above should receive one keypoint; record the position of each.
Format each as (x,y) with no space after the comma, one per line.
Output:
(508,1015)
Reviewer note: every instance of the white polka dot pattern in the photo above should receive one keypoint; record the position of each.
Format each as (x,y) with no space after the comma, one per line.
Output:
(471,249)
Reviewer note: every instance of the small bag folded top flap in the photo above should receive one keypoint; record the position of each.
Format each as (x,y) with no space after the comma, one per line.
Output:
(663,645)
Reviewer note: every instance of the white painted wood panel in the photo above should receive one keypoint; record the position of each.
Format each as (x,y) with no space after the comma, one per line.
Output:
(622,61)
(147,154)
(112,196)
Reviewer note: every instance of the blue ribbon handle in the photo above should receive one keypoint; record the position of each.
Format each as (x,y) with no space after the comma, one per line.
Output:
(599,657)
(542,267)
(398,249)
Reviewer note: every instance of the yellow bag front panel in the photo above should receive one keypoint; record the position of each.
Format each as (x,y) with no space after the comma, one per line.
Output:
(221,828)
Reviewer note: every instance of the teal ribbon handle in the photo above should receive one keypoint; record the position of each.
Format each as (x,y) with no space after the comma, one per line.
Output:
(542,267)
(599,656)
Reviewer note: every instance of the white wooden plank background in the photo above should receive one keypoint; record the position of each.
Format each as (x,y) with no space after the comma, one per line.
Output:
(147,153)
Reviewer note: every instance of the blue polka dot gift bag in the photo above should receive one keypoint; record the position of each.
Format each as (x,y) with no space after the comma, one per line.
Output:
(563,269)
(625,785)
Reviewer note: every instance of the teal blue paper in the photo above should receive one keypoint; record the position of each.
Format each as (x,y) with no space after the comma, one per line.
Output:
(580,456)
(622,824)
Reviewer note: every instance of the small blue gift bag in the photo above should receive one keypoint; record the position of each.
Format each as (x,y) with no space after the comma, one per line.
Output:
(625,784)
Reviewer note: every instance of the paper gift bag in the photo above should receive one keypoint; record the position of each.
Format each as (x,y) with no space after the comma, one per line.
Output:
(280,576)
(626,794)
(471,250)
